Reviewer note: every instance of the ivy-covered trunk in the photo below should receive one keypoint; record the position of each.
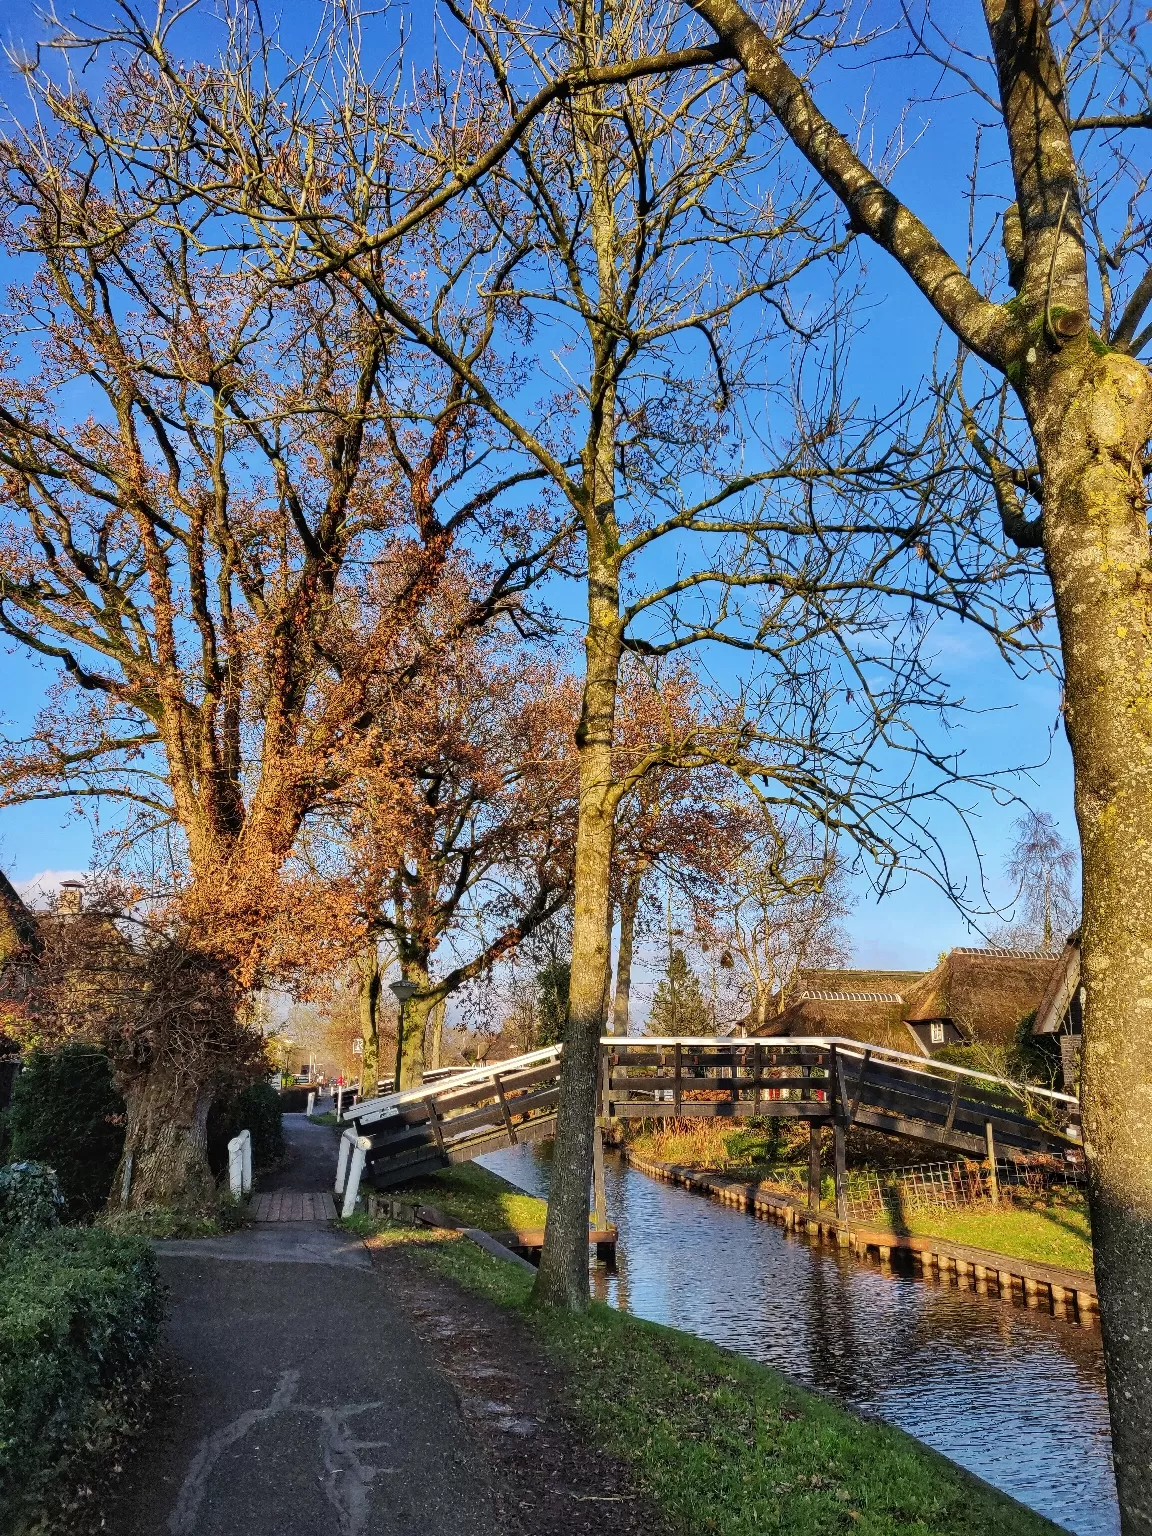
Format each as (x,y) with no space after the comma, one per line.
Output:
(413,1024)
(629,907)
(368,971)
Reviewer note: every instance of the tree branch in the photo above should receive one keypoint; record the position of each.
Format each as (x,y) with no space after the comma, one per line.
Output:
(986,328)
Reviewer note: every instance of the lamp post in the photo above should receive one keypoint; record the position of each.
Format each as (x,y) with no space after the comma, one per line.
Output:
(403,992)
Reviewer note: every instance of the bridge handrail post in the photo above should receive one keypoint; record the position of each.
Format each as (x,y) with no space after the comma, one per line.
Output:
(355,1172)
(342,1156)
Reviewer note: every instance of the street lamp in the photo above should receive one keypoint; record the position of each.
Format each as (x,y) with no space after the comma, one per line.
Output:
(403,992)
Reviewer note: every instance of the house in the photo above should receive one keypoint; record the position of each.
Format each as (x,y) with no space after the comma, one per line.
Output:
(864,1005)
(976,996)
(1061,1010)
(972,996)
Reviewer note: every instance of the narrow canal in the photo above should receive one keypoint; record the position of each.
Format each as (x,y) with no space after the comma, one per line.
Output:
(1014,1395)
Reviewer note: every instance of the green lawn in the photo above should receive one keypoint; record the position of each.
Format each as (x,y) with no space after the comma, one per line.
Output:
(477,1197)
(1047,1231)
(725,1446)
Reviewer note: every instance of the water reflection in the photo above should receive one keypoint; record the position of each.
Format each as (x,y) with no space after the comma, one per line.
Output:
(1013,1394)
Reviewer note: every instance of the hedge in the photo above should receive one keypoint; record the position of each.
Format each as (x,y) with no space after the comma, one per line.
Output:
(256,1109)
(65,1112)
(80,1311)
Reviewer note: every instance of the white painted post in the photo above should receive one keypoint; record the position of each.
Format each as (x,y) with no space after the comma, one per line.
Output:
(311,1104)
(236,1167)
(246,1163)
(346,1141)
(339,1102)
(355,1170)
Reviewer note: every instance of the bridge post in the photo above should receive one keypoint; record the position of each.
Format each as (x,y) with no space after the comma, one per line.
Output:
(839,1135)
(993,1184)
(599,1194)
(813,1165)
(813,1145)
(840,1172)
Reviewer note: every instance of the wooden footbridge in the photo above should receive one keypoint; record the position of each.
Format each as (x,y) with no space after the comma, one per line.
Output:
(840,1082)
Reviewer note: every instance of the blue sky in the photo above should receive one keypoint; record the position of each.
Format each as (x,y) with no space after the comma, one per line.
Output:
(1010,722)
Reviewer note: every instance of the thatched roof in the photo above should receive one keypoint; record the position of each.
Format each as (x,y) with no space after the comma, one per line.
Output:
(984,992)
(865,1005)
(873,1020)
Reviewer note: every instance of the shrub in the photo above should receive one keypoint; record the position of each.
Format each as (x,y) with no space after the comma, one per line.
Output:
(30,1201)
(80,1311)
(66,1112)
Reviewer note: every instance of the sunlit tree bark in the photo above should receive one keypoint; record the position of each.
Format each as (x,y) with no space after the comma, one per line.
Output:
(1087,400)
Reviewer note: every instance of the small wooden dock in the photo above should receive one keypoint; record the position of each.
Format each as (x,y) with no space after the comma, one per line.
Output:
(293,1205)
(530,1244)
(1067,1293)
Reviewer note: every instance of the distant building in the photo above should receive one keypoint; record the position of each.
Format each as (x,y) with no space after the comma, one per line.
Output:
(1061,1010)
(19,945)
(972,996)
(19,936)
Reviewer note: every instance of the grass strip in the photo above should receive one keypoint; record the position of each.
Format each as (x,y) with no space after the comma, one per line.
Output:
(1054,1231)
(477,1197)
(1048,1227)
(723,1445)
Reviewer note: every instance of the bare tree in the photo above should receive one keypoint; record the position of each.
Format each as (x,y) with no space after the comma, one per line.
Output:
(1066,88)
(453,827)
(205,476)
(778,912)
(1042,867)
(604,223)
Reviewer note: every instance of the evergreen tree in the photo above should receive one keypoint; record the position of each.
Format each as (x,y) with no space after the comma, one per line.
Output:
(552,984)
(678,1007)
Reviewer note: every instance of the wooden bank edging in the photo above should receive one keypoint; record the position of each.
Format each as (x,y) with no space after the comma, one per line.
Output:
(1067,1291)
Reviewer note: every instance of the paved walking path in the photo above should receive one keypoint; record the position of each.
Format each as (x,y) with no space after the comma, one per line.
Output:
(303,1402)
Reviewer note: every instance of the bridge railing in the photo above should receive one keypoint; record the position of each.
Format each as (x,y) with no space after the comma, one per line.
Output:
(816,1078)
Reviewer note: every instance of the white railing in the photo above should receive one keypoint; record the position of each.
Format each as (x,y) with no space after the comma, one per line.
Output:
(372,1110)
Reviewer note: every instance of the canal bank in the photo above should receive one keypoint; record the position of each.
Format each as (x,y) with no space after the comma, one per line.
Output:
(1014,1394)
(1068,1294)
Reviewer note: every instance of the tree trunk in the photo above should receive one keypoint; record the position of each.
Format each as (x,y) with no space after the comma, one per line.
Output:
(562,1279)
(412,1026)
(165,1157)
(368,966)
(1092,419)
(563,1276)
(629,906)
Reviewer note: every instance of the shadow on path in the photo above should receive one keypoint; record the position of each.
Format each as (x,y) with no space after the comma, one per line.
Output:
(303,1405)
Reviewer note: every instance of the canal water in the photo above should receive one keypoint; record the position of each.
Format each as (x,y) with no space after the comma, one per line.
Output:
(1015,1395)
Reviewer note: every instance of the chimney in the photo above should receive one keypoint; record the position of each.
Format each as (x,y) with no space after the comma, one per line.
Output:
(71,898)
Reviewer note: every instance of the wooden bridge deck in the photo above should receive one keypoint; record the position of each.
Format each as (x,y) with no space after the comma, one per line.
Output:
(400,1136)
